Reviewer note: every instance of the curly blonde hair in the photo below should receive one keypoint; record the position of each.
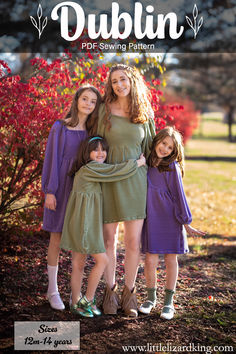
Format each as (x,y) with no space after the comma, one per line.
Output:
(176,155)
(140,109)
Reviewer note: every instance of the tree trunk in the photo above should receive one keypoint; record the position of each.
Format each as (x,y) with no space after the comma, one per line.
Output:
(230,123)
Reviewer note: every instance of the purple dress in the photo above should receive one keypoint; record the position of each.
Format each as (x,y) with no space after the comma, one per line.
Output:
(167,212)
(61,150)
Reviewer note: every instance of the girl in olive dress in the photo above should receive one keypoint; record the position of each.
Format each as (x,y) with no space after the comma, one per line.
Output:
(126,121)
(63,142)
(82,231)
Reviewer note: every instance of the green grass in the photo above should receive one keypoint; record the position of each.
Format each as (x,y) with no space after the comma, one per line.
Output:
(203,147)
(211,138)
(211,175)
(211,185)
(212,127)
(211,192)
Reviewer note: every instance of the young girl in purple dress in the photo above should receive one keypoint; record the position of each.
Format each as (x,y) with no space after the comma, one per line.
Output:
(63,142)
(168,216)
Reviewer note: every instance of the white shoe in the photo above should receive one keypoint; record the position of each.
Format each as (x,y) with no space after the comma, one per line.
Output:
(55,301)
(167,313)
(147,307)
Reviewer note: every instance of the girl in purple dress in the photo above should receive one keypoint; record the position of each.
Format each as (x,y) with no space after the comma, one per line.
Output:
(168,216)
(63,142)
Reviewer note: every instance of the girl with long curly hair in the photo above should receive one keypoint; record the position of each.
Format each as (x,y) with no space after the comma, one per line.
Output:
(126,121)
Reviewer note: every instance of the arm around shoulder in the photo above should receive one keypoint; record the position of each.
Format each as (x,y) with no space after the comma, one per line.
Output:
(102,172)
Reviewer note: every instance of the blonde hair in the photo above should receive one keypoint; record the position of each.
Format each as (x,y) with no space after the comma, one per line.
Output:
(139,105)
(176,155)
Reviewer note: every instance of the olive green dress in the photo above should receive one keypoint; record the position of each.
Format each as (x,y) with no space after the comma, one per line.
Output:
(126,199)
(82,230)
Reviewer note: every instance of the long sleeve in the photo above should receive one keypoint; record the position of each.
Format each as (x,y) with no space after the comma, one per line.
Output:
(102,172)
(53,157)
(175,185)
(101,125)
(150,132)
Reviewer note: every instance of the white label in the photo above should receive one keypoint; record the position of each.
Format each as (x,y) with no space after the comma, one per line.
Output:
(48,335)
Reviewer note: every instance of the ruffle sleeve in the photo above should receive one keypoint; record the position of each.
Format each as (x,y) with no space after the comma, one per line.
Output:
(53,158)
(102,172)
(150,132)
(175,185)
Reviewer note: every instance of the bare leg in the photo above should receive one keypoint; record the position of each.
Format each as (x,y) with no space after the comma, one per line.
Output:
(110,232)
(132,237)
(78,263)
(172,268)
(54,248)
(95,275)
(151,263)
(110,299)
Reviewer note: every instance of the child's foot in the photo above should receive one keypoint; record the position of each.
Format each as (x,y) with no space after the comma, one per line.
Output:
(70,300)
(167,312)
(94,308)
(78,309)
(55,301)
(147,307)
(86,306)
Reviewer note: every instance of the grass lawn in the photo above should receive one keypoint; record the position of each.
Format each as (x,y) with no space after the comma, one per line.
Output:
(212,127)
(211,185)
(204,147)
(211,191)
(210,138)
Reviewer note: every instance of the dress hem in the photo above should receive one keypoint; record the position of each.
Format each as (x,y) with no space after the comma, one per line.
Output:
(125,219)
(165,252)
(90,252)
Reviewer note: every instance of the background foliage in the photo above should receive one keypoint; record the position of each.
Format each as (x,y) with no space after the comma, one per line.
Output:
(31,103)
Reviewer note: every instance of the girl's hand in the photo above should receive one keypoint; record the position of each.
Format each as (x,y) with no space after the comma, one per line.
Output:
(50,202)
(141,161)
(193,232)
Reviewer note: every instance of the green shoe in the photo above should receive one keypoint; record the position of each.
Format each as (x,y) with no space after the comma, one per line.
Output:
(86,306)
(78,310)
(94,308)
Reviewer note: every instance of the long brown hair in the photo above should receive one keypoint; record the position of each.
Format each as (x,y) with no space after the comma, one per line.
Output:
(176,155)
(86,147)
(92,121)
(140,108)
